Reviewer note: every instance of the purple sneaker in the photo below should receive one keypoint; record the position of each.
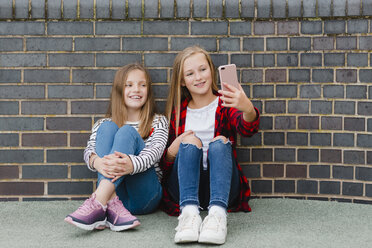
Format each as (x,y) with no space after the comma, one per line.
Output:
(88,216)
(118,217)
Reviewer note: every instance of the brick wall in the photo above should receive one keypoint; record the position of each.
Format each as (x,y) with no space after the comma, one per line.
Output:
(306,64)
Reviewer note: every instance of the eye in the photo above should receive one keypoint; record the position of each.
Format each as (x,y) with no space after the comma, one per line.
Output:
(189,74)
(143,85)
(128,85)
(203,69)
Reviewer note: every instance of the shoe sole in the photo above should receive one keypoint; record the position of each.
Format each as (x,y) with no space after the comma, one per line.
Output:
(185,239)
(97,225)
(124,227)
(211,241)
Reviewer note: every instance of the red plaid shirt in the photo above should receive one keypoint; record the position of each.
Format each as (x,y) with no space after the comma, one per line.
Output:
(228,122)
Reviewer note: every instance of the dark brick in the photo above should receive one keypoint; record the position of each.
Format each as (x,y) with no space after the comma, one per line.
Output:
(346,43)
(44,139)
(321,107)
(343,139)
(369,190)
(308,155)
(273,170)
(220,59)
(65,156)
(183,8)
(89,107)
(134,9)
(334,59)
(248,8)
(79,139)
(43,108)
(263,9)
(285,122)
(49,44)
(21,123)
(11,44)
(264,60)
(44,171)
(357,59)
(369,125)
(158,75)
(23,60)
(264,155)
(252,170)
(255,140)
(70,188)
(22,28)
(346,75)
(363,174)
(161,91)
(284,186)
(334,27)
(330,156)
(298,106)
(300,44)
(266,123)
(324,8)
(311,27)
(319,171)
(21,188)
(253,44)
(342,107)
(354,157)
(252,76)
(284,155)
(339,8)
(151,8)
(103,9)
(331,123)
(343,172)
(307,187)
(333,91)
(70,28)
(286,91)
(166,27)
(320,139)
(274,139)
(275,75)
(275,107)
(354,124)
(288,27)
(240,28)
(81,172)
(322,75)
(356,92)
(323,43)
(241,60)
(308,122)
(367,8)
(332,188)
(9,172)
(118,28)
(200,9)
(68,123)
(10,76)
(229,44)
(299,75)
(276,44)
(365,43)
(294,8)
(365,75)
(159,59)
(296,171)
(357,26)
(70,91)
(364,108)
(117,60)
(68,60)
(297,139)
(216,9)
(92,76)
(46,76)
(9,108)
(97,44)
(262,186)
(8,139)
(352,189)
(209,28)
(364,140)
(243,155)
(287,59)
(22,156)
(311,59)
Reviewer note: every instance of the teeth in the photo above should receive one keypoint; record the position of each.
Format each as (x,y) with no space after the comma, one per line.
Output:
(135,97)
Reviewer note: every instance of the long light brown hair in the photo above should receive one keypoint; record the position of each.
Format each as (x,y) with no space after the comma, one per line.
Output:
(178,92)
(117,109)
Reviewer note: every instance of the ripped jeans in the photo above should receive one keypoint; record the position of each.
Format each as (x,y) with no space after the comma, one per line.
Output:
(140,193)
(189,183)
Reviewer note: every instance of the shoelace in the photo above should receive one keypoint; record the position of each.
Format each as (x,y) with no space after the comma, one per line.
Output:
(88,206)
(118,208)
(185,222)
(211,222)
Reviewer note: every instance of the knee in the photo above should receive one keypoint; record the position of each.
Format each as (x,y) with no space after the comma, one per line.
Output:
(108,127)
(126,130)
(220,137)
(219,144)
(192,139)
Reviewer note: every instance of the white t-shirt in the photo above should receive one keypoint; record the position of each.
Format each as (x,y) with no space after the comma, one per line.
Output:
(201,121)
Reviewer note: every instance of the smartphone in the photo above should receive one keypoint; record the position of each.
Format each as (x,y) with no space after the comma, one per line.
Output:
(228,75)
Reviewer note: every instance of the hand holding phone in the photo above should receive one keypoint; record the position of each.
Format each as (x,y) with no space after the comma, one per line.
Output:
(228,75)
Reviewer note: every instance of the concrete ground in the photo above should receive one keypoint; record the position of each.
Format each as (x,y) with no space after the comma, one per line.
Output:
(272,223)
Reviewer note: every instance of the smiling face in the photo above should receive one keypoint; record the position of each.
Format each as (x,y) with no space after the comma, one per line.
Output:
(197,75)
(135,91)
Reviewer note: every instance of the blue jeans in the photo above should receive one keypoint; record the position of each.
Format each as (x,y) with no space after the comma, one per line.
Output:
(189,183)
(140,193)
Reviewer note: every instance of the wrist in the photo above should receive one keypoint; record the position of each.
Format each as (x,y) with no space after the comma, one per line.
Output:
(93,161)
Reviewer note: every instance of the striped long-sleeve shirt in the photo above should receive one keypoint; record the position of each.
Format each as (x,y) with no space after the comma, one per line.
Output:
(149,156)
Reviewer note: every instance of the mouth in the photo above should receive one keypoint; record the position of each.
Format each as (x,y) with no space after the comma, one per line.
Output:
(199,85)
(135,97)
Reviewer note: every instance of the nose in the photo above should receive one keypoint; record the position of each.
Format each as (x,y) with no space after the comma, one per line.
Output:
(136,87)
(197,76)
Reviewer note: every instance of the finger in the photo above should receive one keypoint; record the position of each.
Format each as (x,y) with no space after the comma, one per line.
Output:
(120,154)
(229,87)
(226,93)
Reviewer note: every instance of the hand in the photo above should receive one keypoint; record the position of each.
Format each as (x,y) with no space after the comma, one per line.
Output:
(236,98)
(173,148)
(99,165)
(118,164)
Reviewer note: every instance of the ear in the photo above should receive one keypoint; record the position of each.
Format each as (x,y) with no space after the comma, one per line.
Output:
(183,83)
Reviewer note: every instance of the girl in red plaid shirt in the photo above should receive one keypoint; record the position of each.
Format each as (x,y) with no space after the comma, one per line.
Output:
(199,165)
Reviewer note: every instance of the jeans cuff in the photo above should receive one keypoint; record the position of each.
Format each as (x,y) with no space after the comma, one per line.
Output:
(191,201)
(217,202)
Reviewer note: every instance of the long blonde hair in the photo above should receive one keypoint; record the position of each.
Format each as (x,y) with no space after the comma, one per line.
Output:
(178,92)
(117,109)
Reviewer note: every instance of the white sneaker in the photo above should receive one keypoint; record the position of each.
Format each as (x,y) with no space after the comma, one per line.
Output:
(213,230)
(188,228)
